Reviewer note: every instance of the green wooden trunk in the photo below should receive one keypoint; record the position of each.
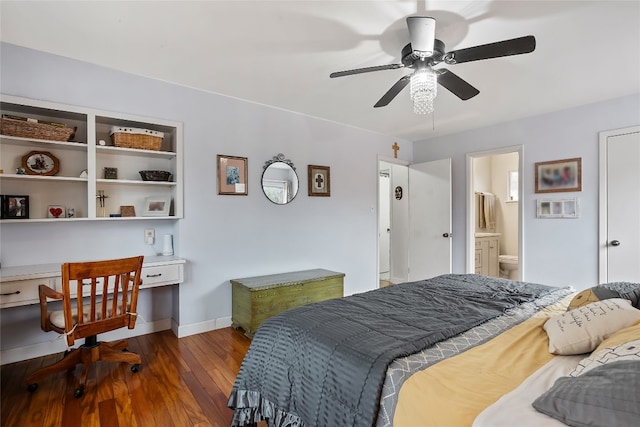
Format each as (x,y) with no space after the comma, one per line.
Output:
(255,299)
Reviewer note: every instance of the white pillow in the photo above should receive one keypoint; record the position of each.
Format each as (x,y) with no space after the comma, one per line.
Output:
(583,329)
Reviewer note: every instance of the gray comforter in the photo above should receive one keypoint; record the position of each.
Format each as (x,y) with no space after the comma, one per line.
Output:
(324,364)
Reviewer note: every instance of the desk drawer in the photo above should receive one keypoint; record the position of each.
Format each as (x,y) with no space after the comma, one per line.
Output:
(162,274)
(20,292)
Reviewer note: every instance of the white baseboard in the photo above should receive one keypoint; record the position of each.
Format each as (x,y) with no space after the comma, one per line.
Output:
(58,345)
(198,328)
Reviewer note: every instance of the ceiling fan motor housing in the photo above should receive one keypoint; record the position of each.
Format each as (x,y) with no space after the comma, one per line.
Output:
(422,33)
(409,57)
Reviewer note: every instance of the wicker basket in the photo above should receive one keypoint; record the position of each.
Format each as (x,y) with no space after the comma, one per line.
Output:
(143,139)
(28,129)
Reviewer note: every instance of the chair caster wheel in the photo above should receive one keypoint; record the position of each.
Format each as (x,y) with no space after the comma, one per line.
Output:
(78,392)
(32,387)
(135,368)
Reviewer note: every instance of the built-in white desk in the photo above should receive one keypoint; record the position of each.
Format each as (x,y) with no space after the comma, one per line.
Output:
(19,284)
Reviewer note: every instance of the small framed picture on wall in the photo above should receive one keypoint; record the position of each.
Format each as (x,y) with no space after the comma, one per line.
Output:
(232,175)
(319,179)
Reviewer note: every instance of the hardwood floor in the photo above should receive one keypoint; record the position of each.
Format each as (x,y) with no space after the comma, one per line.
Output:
(182,382)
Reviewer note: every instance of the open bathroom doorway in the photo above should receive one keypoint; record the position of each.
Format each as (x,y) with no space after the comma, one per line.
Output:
(494,214)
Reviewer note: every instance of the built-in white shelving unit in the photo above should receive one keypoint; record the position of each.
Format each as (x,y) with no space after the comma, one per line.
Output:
(69,187)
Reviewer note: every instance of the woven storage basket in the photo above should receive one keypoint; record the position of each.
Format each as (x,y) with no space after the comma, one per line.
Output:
(25,129)
(143,139)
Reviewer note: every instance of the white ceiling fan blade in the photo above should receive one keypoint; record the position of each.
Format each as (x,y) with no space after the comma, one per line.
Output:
(422,32)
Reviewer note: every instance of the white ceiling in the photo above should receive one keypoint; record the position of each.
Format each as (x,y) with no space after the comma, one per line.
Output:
(280,53)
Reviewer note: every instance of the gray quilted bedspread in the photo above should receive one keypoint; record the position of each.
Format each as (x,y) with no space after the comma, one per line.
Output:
(324,364)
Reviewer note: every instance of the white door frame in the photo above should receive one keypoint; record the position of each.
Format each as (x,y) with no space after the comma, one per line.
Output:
(392,160)
(471,228)
(603,200)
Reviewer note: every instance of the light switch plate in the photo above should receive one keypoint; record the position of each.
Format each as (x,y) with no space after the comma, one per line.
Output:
(149,236)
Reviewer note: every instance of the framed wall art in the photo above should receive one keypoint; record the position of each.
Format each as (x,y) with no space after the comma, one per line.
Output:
(557,208)
(156,206)
(232,175)
(319,180)
(15,207)
(559,175)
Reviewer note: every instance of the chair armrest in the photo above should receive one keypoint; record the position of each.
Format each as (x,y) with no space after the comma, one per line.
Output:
(45,292)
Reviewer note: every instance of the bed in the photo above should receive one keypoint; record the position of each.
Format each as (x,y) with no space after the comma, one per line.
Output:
(454,350)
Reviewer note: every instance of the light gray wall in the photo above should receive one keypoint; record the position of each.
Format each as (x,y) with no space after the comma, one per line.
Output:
(557,251)
(222,237)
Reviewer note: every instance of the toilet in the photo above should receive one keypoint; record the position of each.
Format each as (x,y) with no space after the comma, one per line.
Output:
(508,266)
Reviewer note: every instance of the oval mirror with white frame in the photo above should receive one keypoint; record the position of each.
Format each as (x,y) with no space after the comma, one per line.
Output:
(279,180)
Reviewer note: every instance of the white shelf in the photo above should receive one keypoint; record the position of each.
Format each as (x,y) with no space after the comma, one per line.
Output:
(108,149)
(41,177)
(64,145)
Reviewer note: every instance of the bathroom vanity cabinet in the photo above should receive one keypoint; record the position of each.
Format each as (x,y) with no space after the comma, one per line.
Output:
(487,252)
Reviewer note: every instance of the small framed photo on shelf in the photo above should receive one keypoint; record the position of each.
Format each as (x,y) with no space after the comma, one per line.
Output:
(557,208)
(559,175)
(319,180)
(15,207)
(157,206)
(127,211)
(56,211)
(110,173)
(232,175)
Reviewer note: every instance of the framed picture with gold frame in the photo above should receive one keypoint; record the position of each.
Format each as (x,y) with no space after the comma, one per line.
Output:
(319,180)
(232,175)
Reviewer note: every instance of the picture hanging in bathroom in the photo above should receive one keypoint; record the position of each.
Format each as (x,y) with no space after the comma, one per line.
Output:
(559,175)
(558,208)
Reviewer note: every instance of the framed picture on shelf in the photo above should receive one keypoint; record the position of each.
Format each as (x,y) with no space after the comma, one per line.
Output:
(319,180)
(15,207)
(40,163)
(127,211)
(56,211)
(232,175)
(110,173)
(559,175)
(157,206)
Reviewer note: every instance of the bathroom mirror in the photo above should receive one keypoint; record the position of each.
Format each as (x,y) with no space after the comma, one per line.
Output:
(279,180)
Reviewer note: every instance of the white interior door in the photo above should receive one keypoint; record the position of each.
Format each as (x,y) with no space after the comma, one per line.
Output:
(429,219)
(620,191)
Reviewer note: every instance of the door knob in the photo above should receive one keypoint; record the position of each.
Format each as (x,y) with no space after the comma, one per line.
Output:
(615,243)
(447,235)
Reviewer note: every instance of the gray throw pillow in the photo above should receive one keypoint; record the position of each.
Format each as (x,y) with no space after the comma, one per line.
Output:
(627,290)
(607,396)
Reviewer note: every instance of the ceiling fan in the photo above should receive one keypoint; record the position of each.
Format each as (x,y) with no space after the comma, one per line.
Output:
(425,51)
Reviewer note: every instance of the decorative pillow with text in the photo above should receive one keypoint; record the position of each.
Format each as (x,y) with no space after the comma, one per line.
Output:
(581,330)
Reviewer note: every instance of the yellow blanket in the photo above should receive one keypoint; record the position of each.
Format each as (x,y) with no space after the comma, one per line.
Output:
(453,392)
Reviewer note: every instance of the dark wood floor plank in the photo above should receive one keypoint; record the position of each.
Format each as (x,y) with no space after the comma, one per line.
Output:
(182,382)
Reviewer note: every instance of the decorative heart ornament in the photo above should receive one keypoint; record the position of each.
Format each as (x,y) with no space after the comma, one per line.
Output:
(56,212)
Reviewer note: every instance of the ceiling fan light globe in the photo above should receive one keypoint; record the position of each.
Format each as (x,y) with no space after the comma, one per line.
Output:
(423,90)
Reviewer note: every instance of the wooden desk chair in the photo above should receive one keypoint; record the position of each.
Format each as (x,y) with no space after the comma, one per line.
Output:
(97,297)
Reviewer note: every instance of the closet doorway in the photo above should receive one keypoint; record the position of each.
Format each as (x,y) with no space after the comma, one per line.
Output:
(414,220)
(494,213)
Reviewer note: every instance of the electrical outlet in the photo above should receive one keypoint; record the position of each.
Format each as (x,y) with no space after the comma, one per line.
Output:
(149,236)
